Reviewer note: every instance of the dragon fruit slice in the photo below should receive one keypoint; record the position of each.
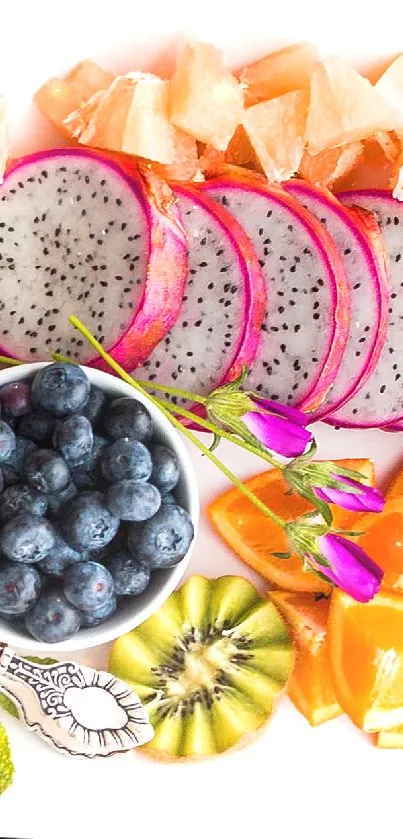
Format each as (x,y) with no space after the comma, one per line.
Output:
(380,400)
(223,306)
(79,236)
(359,240)
(307,316)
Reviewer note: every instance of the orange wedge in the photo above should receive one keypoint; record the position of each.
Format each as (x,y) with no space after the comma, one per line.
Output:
(254,537)
(345,107)
(205,100)
(60,96)
(382,539)
(366,658)
(328,167)
(276,131)
(279,72)
(310,687)
(395,488)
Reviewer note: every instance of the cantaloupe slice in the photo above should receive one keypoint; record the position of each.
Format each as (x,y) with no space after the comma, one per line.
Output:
(328,167)
(60,96)
(345,107)
(205,100)
(279,72)
(276,130)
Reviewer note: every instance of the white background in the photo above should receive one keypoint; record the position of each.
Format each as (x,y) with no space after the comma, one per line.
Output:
(292,780)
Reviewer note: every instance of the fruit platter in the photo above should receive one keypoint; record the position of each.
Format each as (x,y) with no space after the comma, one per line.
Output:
(201,417)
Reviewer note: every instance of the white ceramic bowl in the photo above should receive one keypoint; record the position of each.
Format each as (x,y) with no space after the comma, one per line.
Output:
(131,610)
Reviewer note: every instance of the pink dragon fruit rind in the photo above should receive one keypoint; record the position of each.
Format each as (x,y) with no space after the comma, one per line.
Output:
(365,229)
(352,200)
(339,289)
(160,301)
(254,285)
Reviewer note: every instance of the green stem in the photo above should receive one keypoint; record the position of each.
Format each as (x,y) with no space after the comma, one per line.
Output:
(11,362)
(167,413)
(183,394)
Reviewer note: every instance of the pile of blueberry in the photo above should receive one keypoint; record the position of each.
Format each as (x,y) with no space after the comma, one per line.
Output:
(87,510)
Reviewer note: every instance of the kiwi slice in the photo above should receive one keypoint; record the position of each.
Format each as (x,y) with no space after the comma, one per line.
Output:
(208,666)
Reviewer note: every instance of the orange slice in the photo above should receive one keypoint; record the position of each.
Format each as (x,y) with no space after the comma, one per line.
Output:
(205,100)
(60,96)
(345,107)
(366,658)
(328,167)
(310,687)
(255,538)
(395,488)
(392,739)
(276,131)
(382,540)
(279,72)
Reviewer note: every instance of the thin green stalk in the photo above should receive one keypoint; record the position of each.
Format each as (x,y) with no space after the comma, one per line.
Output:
(167,413)
(11,362)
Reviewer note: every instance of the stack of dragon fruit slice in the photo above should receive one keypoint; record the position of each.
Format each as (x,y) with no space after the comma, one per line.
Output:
(186,284)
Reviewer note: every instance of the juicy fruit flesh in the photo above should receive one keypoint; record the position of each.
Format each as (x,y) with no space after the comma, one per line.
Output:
(290,357)
(88,256)
(366,655)
(208,665)
(279,72)
(382,539)
(380,400)
(200,347)
(360,268)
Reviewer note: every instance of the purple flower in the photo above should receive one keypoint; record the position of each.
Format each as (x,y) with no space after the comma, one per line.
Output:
(366,499)
(351,569)
(280,428)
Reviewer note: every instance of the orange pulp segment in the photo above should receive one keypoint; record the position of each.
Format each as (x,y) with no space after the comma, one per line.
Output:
(390,84)
(205,99)
(254,537)
(279,72)
(58,97)
(345,107)
(310,687)
(366,658)
(328,167)
(276,131)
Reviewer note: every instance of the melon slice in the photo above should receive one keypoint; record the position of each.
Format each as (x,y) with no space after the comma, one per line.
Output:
(345,107)
(276,132)
(59,96)
(205,100)
(279,72)
(329,166)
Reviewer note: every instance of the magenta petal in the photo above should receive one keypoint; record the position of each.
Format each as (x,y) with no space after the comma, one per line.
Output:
(280,410)
(351,568)
(368,499)
(277,434)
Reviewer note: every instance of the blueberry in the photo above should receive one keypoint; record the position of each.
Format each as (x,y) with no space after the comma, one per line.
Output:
(1,481)
(19,499)
(88,476)
(15,399)
(61,389)
(20,586)
(53,618)
(46,471)
(59,557)
(11,618)
(166,472)
(58,500)
(100,614)
(168,498)
(38,426)
(163,540)
(73,438)
(88,585)
(87,524)
(94,405)
(129,576)
(127,417)
(13,468)
(133,500)
(7,441)
(126,459)
(27,538)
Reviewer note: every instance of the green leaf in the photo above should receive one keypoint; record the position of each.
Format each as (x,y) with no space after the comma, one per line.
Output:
(6,763)
(280,555)
(6,703)
(216,442)
(305,458)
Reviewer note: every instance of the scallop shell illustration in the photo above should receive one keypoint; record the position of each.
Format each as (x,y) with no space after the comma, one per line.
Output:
(79,710)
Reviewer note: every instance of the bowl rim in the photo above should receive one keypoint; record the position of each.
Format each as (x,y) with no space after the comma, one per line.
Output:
(95,636)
